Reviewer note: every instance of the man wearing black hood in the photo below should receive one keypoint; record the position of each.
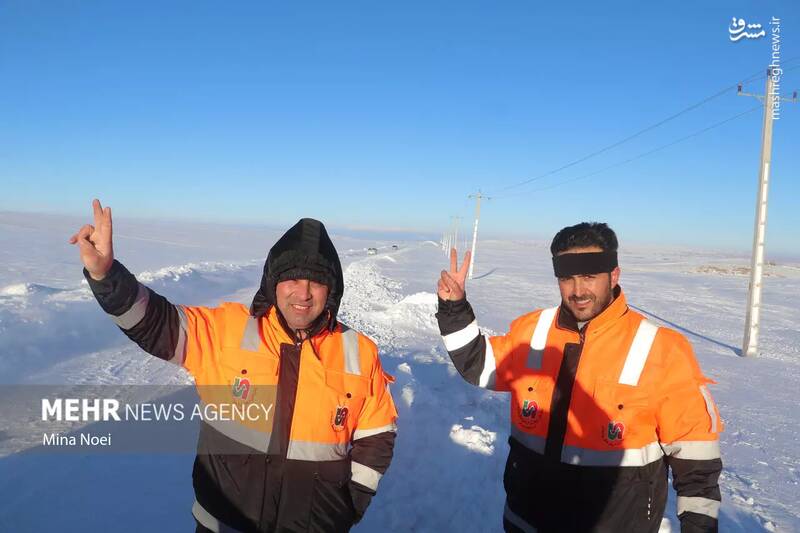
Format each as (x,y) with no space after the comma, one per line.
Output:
(314,460)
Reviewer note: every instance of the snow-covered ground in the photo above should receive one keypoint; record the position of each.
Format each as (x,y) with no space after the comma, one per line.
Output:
(452,442)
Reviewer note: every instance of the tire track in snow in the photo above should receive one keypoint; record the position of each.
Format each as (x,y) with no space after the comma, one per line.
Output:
(451,438)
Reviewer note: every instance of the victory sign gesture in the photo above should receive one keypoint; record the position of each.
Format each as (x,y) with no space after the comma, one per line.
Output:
(94,242)
(451,284)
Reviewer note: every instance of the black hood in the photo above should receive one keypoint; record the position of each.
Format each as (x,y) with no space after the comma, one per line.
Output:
(307,248)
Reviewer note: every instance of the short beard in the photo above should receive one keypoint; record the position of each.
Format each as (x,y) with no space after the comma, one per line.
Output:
(605,305)
(610,299)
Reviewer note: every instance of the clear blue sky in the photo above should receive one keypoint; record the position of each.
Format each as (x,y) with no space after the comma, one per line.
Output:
(388,114)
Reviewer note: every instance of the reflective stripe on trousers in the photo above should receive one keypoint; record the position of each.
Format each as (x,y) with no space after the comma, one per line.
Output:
(208,520)
(695,504)
(517,521)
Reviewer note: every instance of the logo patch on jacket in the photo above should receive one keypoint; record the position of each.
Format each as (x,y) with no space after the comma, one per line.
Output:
(529,413)
(241,388)
(340,418)
(615,432)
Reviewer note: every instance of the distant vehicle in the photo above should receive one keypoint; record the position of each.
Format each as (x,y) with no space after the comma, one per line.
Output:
(372,251)
(395,247)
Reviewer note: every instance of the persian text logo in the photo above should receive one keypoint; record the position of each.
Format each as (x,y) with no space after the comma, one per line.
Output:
(736,31)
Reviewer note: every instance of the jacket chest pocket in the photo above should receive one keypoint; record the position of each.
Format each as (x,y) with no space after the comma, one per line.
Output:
(342,399)
(624,412)
(243,387)
(256,368)
(531,401)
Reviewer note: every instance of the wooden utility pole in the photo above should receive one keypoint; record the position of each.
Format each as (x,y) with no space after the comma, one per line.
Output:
(753,318)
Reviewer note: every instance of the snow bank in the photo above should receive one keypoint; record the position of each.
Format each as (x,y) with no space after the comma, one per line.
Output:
(451,445)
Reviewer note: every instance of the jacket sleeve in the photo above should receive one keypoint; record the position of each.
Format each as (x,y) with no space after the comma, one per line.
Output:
(689,426)
(373,442)
(476,356)
(177,334)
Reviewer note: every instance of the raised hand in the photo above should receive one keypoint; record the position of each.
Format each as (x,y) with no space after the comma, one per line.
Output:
(451,284)
(95,243)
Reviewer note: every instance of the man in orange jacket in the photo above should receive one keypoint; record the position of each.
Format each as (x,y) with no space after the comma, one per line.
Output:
(603,401)
(314,460)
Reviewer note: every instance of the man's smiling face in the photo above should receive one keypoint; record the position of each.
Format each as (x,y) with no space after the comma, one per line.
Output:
(587,295)
(300,301)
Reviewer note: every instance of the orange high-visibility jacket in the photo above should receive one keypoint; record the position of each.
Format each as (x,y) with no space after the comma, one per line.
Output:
(324,426)
(342,390)
(597,415)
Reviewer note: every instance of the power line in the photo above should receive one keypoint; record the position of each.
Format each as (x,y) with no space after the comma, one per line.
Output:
(751,78)
(637,157)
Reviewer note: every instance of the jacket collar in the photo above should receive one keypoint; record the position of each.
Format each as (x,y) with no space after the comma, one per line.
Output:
(285,334)
(618,307)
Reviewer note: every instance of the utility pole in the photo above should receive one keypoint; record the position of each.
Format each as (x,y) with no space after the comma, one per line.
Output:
(450,240)
(753,318)
(455,231)
(475,227)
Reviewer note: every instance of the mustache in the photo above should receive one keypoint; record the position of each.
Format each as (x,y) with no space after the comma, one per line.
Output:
(591,297)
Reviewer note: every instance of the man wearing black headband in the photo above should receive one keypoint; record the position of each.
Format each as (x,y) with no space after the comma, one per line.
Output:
(603,401)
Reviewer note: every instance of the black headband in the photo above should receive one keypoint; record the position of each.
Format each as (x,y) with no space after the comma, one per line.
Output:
(567,265)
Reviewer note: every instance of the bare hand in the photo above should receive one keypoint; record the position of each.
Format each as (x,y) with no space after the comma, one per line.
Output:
(451,284)
(95,244)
